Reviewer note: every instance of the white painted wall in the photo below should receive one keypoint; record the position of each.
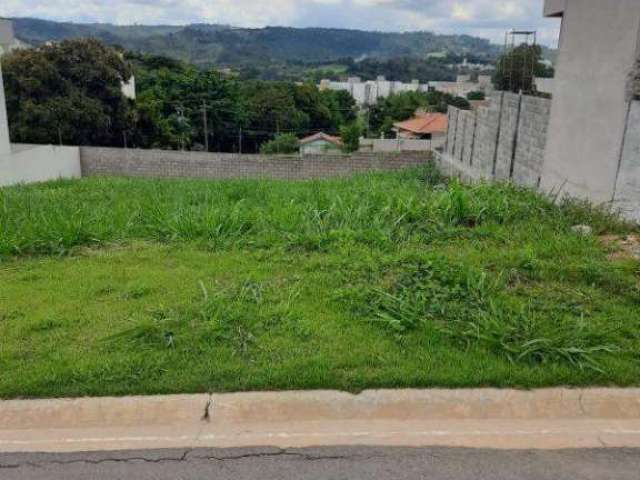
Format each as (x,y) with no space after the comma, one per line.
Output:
(319,147)
(39,163)
(5,147)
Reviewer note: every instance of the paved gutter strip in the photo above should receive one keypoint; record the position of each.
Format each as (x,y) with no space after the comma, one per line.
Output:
(541,419)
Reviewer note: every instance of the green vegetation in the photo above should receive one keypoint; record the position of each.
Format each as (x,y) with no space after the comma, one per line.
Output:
(283,143)
(52,100)
(350,136)
(115,286)
(517,69)
(476,96)
(267,52)
(402,106)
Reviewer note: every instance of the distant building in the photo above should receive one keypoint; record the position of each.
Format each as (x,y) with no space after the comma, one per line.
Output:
(129,88)
(320,144)
(369,92)
(424,126)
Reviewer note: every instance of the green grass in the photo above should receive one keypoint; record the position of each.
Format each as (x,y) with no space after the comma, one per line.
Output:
(116,286)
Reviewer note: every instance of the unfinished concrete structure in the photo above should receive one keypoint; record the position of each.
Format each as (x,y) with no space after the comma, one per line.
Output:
(30,163)
(594,129)
(583,143)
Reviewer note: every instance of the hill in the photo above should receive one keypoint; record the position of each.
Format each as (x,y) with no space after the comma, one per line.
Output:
(224,46)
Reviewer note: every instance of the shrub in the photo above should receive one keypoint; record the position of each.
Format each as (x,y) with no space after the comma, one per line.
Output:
(284,143)
(350,135)
(476,96)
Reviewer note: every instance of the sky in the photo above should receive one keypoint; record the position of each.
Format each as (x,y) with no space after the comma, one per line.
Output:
(483,18)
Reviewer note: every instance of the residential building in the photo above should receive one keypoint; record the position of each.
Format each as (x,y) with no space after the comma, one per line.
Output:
(369,92)
(425,126)
(320,144)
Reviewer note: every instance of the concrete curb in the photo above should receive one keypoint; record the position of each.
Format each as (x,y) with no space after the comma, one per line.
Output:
(553,418)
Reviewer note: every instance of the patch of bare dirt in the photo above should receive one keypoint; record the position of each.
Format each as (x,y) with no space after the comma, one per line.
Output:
(622,247)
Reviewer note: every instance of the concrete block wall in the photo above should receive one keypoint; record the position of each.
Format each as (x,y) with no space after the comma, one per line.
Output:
(503,141)
(507,140)
(460,132)
(487,122)
(97,161)
(453,115)
(532,136)
(635,81)
(627,191)
(468,137)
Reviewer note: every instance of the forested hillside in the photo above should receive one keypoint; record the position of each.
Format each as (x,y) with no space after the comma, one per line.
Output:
(218,45)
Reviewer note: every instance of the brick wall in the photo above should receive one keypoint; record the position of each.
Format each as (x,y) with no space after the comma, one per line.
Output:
(162,163)
(503,141)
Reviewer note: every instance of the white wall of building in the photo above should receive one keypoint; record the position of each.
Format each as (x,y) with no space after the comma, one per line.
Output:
(368,93)
(5,147)
(319,147)
(39,163)
(129,88)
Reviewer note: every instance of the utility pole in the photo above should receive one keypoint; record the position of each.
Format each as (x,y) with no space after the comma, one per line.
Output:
(240,141)
(206,129)
(124,138)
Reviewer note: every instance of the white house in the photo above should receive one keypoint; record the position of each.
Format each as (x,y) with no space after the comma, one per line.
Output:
(320,144)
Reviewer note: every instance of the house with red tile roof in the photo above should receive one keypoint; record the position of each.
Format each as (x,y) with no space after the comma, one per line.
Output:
(425,126)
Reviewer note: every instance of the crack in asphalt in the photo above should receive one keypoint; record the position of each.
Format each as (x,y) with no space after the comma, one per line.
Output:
(182,458)
(287,453)
(307,457)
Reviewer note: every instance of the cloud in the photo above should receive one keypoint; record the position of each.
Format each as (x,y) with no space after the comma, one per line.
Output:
(484,18)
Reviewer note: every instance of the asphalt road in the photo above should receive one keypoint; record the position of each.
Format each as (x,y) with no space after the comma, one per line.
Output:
(334,463)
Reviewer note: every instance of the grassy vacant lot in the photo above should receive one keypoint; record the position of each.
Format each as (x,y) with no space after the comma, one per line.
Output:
(119,286)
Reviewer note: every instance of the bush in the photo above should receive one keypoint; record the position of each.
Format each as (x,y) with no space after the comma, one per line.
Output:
(476,96)
(350,135)
(285,143)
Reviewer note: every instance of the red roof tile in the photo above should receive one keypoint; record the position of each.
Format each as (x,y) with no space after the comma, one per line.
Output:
(425,123)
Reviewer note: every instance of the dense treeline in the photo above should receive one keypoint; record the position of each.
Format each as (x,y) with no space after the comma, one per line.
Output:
(70,92)
(403,69)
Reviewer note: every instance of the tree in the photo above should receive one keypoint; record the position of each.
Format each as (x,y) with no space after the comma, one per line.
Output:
(69,91)
(173,99)
(285,143)
(350,135)
(403,106)
(517,69)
